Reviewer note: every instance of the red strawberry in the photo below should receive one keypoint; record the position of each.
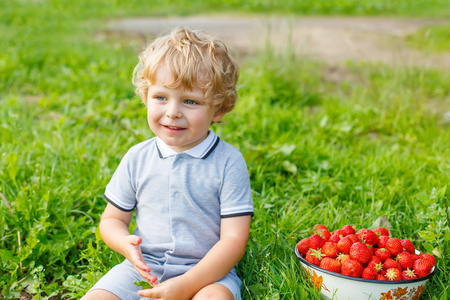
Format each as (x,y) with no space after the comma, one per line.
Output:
(321,230)
(382,241)
(393,274)
(334,238)
(314,257)
(408,274)
(428,257)
(330,249)
(316,241)
(351,268)
(367,236)
(408,246)
(390,263)
(381,277)
(376,264)
(371,238)
(394,246)
(348,229)
(325,234)
(303,246)
(415,257)
(339,232)
(422,267)
(360,252)
(380,231)
(405,260)
(382,254)
(343,257)
(369,273)
(319,226)
(353,237)
(344,244)
(330,264)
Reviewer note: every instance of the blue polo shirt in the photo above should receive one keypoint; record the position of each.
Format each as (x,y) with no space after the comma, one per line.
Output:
(180,198)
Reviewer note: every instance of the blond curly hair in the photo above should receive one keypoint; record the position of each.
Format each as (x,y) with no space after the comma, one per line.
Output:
(194,60)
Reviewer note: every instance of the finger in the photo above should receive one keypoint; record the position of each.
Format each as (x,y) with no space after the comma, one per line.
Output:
(149,293)
(149,277)
(135,240)
(153,279)
(140,265)
(136,256)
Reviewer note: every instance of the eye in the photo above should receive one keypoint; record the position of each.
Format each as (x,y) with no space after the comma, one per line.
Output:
(190,102)
(160,98)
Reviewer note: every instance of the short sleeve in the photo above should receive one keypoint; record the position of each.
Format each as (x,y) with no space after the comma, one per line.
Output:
(120,191)
(235,197)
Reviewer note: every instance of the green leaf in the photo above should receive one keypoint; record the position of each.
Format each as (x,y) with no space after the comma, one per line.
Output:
(257,289)
(437,253)
(12,167)
(446,236)
(438,193)
(143,284)
(290,167)
(427,235)
(6,255)
(287,149)
(323,122)
(382,222)
(428,248)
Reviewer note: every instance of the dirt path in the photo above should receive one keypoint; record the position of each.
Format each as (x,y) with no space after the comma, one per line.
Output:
(330,39)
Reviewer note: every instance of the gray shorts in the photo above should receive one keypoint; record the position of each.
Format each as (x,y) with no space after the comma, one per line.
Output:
(119,281)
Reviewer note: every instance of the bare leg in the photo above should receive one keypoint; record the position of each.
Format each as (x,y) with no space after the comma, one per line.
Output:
(214,291)
(100,295)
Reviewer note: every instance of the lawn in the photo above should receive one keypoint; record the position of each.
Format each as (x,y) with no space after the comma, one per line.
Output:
(374,143)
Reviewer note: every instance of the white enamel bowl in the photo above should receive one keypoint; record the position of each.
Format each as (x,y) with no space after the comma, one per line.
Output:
(336,286)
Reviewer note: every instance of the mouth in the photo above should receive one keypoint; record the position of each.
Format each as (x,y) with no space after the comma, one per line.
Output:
(173,127)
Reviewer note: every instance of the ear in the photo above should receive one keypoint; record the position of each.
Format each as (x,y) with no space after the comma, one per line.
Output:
(218,117)
(144,97)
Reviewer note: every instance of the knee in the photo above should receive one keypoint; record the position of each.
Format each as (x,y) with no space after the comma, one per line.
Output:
(214,291)
(99,295)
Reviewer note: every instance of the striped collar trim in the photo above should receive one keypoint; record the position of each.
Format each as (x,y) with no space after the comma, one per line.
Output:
(202,150)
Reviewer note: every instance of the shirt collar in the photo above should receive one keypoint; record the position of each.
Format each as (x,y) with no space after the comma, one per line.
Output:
(202,150)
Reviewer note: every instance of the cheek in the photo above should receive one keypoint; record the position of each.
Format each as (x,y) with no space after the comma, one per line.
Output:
(150,116)
(153,111)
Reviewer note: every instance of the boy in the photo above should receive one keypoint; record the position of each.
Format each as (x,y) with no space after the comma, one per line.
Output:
(191,190)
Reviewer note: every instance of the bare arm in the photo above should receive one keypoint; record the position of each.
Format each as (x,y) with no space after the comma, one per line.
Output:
(225,254)
(114,228)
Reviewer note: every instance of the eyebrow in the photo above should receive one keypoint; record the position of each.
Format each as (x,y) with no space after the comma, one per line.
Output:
(191,95)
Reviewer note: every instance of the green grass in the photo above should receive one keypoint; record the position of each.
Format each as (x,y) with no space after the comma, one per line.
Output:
(374,143)
(434,39)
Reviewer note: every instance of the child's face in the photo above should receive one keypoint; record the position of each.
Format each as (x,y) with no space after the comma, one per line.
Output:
(180,117)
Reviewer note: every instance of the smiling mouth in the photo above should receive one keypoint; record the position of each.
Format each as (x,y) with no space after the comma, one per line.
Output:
(173,127)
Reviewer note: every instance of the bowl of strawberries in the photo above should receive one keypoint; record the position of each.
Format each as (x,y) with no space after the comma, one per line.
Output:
(363,264)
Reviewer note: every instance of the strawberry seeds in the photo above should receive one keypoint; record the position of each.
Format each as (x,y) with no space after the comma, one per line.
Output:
(368,254)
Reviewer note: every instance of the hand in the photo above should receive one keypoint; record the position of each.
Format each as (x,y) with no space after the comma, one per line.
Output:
(177,288)
(132,252)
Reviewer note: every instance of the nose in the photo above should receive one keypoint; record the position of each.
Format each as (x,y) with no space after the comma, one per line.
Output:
(173,110)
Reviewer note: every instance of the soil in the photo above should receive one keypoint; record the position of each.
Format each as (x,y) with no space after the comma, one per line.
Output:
(334,40)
